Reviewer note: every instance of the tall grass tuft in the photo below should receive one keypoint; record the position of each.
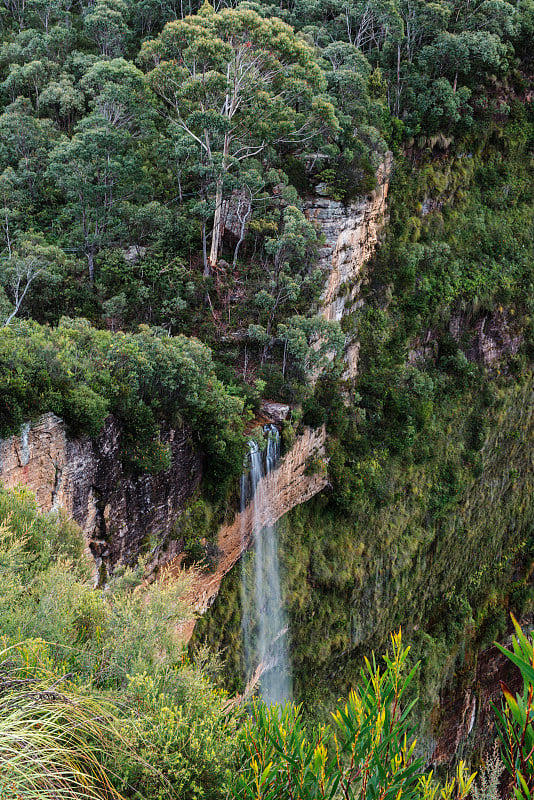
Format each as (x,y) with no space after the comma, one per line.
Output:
(52,739)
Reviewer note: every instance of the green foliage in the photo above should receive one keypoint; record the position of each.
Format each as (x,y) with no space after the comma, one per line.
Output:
(515,728)
(194,525)
(234,83)
(163,730)
(314,342)
(30,259)
(185,732)
(114,181)
(383,548)
(47,593)
(350,177)
(83,374)
(97,697)
(366,752)
(52,737)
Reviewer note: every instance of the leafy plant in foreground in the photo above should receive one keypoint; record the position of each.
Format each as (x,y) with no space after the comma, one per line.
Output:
(52,738)
(368,753)
(514,722)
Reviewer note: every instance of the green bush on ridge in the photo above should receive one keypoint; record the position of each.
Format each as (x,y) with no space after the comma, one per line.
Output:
(144,379)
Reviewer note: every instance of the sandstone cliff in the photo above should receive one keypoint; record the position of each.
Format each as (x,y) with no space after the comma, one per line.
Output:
(118,513)
(464,720)
(485,338)
(287,486)
(350,238)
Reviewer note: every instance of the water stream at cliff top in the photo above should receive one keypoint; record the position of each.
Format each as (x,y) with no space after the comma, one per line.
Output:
(263,620)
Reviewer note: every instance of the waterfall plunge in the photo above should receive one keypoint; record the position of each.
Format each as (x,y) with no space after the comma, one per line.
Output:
(264,623)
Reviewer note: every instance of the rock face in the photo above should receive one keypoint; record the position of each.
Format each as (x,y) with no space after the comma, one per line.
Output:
(351,235)
(485,338)
(118,513)
(277,412)
(350,238)
(286,487)
(467,720)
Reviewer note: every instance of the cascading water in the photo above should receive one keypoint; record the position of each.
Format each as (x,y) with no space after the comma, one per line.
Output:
(264,623)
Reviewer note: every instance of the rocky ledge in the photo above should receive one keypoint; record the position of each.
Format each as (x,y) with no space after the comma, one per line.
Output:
(300,475)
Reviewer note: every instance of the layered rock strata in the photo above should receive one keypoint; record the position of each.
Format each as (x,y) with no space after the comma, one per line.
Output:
(292,483)
(118,513)
(351,234)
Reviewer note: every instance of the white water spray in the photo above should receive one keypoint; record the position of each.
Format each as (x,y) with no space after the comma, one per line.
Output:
(264,623)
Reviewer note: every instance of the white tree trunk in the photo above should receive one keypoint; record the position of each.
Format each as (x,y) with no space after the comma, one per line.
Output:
(217,222)
(216,236)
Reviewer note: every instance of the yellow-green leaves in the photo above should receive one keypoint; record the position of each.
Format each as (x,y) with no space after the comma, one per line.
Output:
(366,754)
(514,722)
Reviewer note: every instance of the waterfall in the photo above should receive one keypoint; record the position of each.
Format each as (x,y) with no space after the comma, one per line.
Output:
(263,618)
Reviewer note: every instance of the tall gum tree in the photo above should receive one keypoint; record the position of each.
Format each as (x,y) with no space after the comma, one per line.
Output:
(238,85)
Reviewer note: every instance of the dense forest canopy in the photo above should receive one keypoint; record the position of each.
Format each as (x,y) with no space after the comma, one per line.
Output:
(130,124)
(129,129)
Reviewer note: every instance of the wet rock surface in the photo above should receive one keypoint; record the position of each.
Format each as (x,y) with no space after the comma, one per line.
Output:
(289,485)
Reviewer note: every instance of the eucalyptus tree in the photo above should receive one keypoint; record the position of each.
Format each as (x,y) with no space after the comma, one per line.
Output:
(25,143)
(28,79)
(62,101)
(106,23)
(291,277)
(118,91)
(100,167)
(96,170)
(11,200)
(31,258)
(237,84)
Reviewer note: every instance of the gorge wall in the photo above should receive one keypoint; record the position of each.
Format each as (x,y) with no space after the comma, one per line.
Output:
(291,484)
(352,579)
(118,513)
(121,514)
(351,234)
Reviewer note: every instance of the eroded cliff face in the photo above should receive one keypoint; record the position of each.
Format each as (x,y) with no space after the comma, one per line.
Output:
(485,338)
(118,513)
(121,514)
(351,235)
(292,483)
(465,721)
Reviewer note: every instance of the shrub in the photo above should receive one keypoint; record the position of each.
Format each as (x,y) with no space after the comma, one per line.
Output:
(144,379)
(367,753)
(52,737)
(515,720)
